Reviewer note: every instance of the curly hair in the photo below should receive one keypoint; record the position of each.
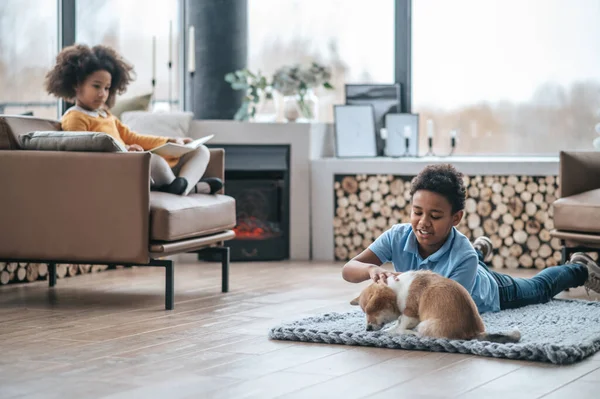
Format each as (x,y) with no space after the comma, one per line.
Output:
(445,180)
(75,63)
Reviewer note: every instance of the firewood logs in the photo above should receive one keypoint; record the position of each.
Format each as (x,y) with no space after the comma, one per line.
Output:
(14,272)
(514,211)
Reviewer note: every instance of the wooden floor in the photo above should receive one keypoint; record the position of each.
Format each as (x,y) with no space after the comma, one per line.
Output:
(108,335)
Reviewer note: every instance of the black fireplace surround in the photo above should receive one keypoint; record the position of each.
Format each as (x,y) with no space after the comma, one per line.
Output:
(258,177)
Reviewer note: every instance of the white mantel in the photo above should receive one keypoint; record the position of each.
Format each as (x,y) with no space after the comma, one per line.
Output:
(307,142)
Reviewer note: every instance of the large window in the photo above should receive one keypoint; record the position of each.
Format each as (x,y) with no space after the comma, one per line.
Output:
(353,37)
(513,76)
(28,47)
(132,27)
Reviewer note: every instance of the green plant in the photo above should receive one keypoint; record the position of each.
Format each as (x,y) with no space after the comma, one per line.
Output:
(255,85)
(298,80)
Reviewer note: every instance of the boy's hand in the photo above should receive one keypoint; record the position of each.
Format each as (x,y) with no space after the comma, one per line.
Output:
(134,148)
(379,274)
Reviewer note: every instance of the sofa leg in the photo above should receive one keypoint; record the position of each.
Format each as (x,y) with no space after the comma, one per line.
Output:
(564,255)
(51,274)
(214,254)
(225,269)
(169,286)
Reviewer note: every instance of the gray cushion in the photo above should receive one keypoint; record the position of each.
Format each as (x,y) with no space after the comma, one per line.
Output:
(70,141)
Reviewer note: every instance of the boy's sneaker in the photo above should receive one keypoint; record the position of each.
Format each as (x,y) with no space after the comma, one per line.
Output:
(593,280)
(485,246)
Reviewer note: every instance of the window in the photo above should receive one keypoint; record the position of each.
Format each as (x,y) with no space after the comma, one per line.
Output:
(514,77)
(131,28)
(353,37)
(25,58)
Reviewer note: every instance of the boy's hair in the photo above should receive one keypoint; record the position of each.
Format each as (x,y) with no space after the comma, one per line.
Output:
(445,180)
(75,63)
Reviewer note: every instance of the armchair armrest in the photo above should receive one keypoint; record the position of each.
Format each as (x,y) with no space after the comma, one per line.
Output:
(579,172)
(74,206)
(216,165)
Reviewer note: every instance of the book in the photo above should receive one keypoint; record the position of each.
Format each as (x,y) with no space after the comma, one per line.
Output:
(177,150)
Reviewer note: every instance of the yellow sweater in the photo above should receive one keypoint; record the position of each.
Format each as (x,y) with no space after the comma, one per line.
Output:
(77,120)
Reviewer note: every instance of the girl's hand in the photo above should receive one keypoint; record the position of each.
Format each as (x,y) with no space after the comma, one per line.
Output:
(134,148)
(180,140)
(379,274)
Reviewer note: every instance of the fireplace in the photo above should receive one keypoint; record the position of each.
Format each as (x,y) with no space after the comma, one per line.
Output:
(257,176)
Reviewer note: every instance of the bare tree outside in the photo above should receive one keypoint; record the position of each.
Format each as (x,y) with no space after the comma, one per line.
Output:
(510,76)
(26,57)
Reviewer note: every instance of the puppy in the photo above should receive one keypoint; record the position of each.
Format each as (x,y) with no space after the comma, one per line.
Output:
(432,305)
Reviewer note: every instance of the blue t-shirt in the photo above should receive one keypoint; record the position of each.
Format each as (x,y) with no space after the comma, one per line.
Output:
(456,259)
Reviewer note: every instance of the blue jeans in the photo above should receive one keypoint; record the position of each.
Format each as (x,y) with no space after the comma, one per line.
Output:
(516,292)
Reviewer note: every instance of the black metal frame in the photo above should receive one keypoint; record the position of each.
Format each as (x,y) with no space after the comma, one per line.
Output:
(568,251)
(167,264)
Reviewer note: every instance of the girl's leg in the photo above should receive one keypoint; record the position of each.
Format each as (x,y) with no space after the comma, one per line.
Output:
(160,172)
(192,166)
(516,292)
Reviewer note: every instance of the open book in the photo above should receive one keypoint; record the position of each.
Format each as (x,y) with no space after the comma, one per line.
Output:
(177,150)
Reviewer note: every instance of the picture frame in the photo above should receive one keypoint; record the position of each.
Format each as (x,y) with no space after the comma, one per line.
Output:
(354,131)
(385,98)
(398,126)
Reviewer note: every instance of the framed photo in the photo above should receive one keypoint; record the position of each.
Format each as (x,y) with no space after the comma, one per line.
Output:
(385,99)
(401,127)
(355,131)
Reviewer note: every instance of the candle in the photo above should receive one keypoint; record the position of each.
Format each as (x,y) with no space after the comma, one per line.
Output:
(170,42)
(191,51)
(153,59)
(407,132)
(429,128)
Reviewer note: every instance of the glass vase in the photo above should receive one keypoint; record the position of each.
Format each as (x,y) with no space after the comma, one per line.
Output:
(301,107)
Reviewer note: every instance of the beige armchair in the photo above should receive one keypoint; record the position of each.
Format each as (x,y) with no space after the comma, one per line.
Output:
(577,211)
(97,208)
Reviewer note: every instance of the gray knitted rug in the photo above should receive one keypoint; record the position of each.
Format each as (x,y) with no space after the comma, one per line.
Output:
(560,332)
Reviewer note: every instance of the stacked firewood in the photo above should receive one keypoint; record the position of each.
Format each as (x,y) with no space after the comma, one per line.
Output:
(514,211)
(29,272)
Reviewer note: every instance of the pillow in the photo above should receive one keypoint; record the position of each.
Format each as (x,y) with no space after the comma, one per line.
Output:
(138,103)
(166,124)
(70,141)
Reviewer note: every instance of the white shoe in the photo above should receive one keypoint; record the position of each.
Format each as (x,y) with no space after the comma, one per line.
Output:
(593,280)
(485,246)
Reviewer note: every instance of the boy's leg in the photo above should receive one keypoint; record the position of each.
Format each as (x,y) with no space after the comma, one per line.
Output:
(160,171)
(516,292)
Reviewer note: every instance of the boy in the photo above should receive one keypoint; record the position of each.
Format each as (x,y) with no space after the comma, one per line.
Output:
(431,242)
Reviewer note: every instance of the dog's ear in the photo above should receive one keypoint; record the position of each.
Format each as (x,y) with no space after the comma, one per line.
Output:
(354,302)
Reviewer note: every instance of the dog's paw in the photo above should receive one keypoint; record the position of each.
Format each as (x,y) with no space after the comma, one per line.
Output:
(391,326)
(401,331)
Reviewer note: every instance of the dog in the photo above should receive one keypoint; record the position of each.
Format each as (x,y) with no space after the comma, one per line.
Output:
(424,303)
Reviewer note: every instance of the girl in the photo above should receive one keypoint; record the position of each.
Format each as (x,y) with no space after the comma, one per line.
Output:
(93,77)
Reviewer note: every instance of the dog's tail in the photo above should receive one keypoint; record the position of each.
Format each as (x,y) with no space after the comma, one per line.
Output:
(502,338)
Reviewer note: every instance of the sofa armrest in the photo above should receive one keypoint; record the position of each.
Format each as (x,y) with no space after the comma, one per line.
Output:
(75,206)
(579,172)
(216,165)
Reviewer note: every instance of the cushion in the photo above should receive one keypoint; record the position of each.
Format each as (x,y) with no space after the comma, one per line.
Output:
(177,217)
(137,103)
(70,141)
(579,212)
(13,126)
(166,124)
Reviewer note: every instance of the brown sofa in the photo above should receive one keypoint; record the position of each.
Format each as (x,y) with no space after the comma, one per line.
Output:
(97,208)
(577,211)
